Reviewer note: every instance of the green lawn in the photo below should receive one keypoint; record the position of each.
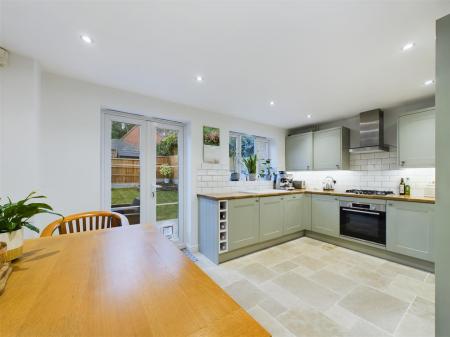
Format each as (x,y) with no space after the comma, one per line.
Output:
(163,212)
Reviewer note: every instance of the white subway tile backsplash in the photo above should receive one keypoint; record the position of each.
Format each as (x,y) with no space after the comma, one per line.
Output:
(377,171)
(367,155)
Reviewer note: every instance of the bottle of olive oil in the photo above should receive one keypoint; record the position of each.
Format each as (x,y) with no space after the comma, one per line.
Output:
(407,187)
(402,187)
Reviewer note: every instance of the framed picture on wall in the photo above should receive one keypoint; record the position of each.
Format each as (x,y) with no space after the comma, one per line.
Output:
(211,145)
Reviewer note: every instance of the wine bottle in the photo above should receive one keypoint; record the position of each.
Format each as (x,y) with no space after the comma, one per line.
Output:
(407,187)
(402,187)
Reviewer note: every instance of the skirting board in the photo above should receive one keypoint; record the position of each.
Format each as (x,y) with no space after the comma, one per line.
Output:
(377,252)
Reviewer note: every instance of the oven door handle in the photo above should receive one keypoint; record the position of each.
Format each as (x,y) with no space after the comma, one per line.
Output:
(364,212)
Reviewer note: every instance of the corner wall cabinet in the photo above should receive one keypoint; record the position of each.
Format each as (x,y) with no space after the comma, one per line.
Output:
(331,149)
(416,139)
(299,152)
(320,150)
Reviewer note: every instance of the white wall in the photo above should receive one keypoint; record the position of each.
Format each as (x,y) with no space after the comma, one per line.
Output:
(19,127)
(70,148)
(443,175)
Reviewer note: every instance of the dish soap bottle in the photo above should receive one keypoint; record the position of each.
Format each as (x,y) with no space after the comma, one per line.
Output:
(401,189)
(407,187)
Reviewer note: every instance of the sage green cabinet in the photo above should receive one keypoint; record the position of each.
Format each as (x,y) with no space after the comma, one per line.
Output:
(325,215)
(243,222)
(410,230)
(271,217)
(331,149)
(297,213)
(299,152)
(293,213)
(416,139)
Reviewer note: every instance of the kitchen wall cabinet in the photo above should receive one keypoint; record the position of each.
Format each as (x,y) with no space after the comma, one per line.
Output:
(409,229)
(271,217)
(299,152)
(325,215)
(243,222)
(416,139)
(331,149)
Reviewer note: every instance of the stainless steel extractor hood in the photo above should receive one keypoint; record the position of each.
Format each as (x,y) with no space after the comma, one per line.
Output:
(371,132)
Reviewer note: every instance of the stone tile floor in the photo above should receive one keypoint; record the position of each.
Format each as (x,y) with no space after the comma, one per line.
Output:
(310,288)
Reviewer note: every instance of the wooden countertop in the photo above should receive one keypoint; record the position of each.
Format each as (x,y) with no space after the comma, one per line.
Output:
(119,282)
(242,195)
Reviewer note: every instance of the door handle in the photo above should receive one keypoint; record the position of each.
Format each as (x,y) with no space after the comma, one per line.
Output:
(356,211)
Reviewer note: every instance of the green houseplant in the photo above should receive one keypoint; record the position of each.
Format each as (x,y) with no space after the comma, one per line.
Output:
(16,215)
(266,170)
(251,163)
(166,172)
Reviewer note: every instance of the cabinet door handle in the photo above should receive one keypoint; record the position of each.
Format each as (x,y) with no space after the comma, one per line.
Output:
(402,163)
(257,200)
(390,204)
(337,166)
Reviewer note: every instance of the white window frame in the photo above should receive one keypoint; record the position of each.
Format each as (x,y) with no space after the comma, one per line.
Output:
(238,160)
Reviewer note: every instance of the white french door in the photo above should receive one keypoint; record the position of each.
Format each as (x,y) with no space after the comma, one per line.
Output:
(143,171)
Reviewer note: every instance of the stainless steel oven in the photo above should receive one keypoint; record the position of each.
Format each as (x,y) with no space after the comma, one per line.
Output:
(363,221)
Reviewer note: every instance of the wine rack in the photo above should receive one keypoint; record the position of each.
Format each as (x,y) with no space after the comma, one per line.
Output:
(223,226)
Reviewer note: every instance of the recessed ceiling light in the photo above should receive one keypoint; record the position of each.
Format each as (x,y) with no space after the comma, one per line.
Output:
(308,116)
(408,46)
(87,39)
(428,82)
(199,78)
(272,103)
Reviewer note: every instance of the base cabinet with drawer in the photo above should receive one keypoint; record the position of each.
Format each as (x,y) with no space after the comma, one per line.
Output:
(325,215)
(409,229)
(297,213)
(243,222)
(271,217)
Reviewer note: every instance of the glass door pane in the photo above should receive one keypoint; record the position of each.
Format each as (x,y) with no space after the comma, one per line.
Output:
(125,170)
(167,180)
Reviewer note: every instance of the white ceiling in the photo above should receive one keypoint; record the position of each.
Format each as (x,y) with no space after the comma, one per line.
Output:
(329,58)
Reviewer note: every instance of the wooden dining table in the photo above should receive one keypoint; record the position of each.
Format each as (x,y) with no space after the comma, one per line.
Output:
(128,281)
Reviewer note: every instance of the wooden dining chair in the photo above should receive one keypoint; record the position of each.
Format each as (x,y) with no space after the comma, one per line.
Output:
(84,222)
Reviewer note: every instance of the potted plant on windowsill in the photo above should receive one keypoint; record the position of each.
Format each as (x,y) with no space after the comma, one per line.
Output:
(16,215)
(266,170)
(166,172)
(250,164)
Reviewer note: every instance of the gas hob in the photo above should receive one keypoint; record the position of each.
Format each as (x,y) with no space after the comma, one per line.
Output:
(369,192)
